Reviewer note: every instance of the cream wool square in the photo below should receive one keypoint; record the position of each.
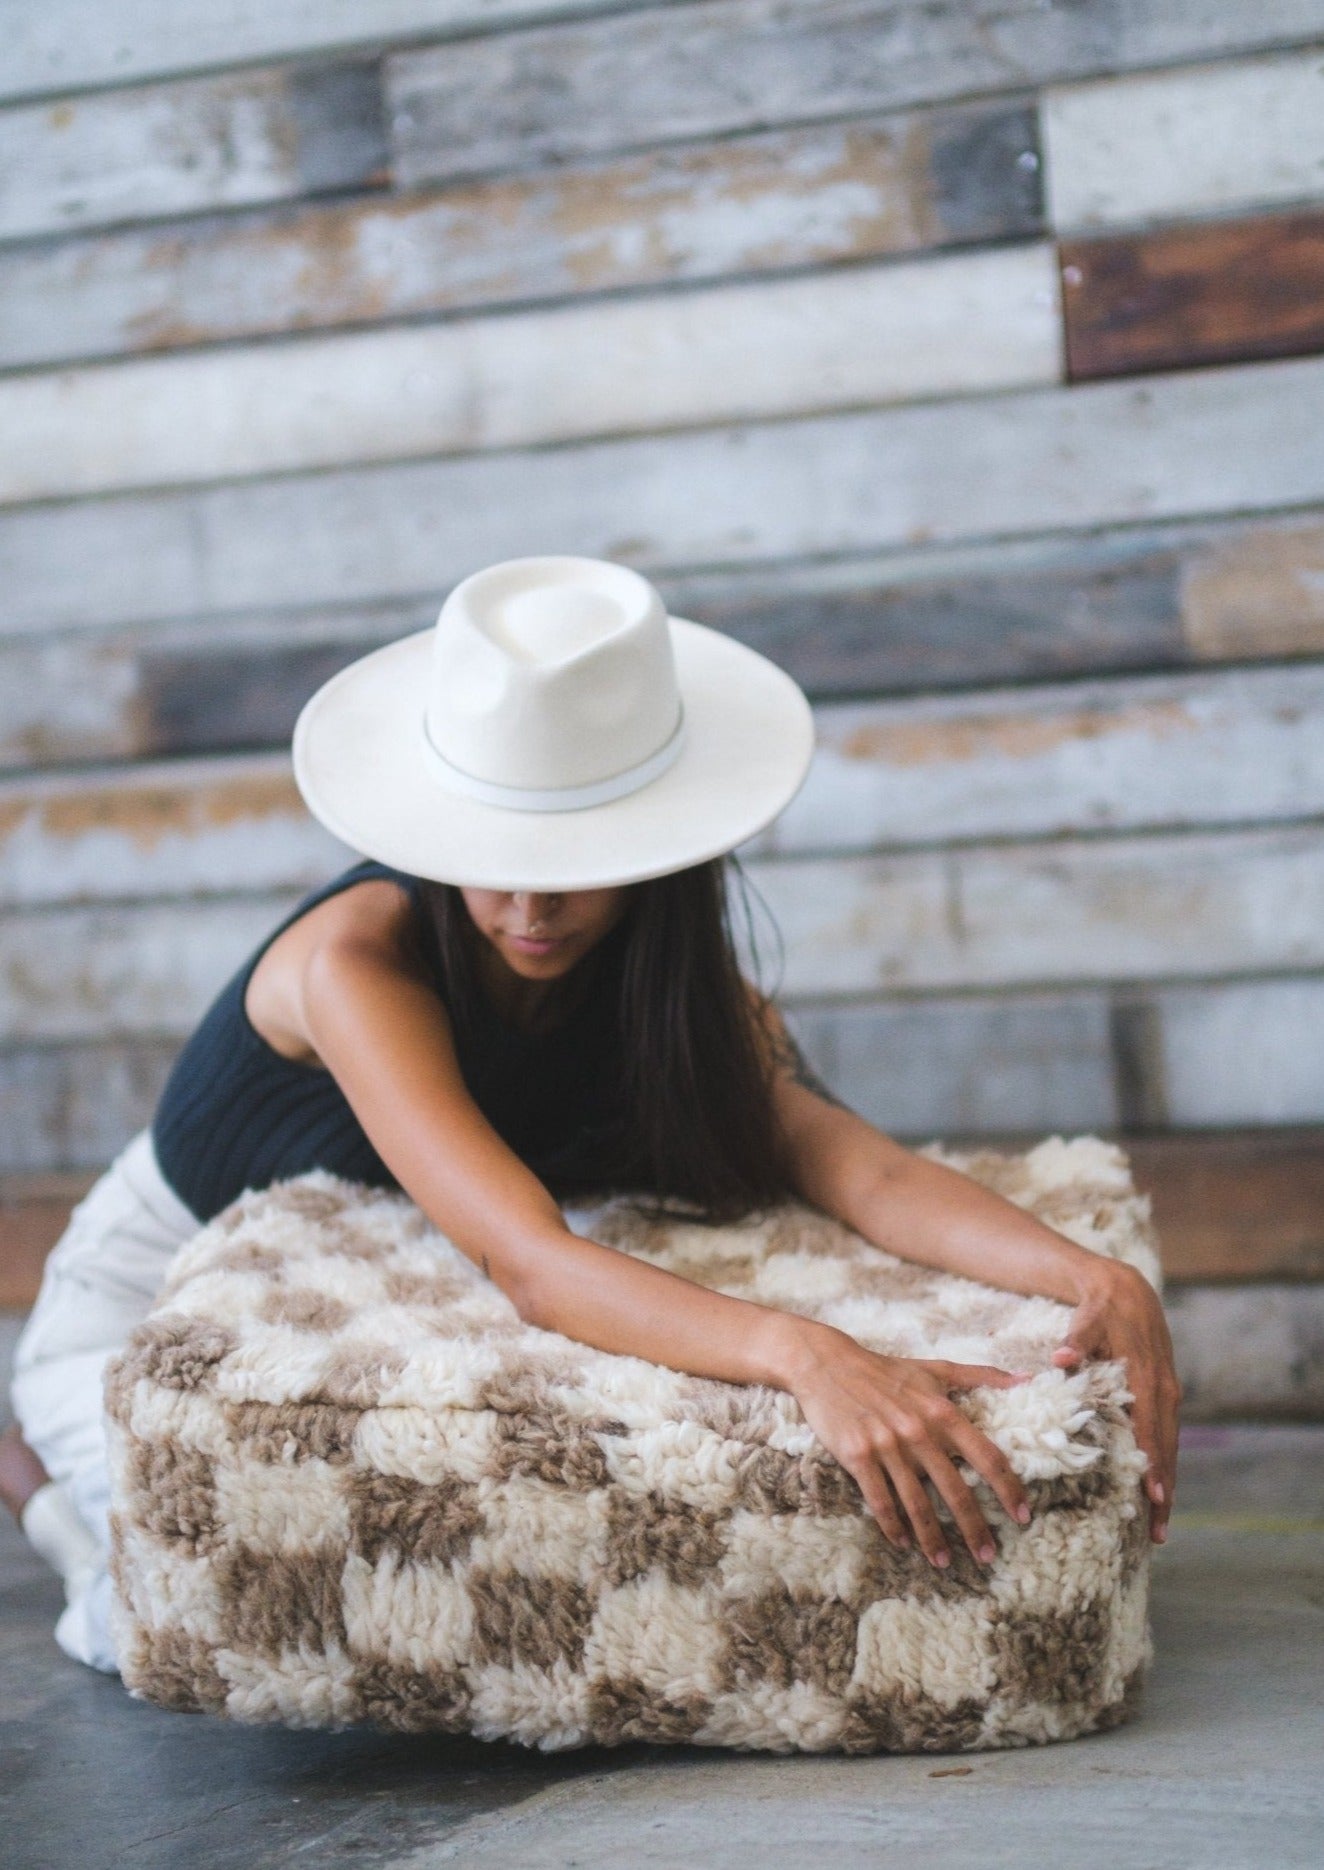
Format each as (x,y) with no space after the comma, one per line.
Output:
(350,1484)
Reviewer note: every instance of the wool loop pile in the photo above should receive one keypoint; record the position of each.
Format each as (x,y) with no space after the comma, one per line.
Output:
(350,1484)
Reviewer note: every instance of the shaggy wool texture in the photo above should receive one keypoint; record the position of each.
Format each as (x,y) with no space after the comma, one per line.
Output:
(350,1484)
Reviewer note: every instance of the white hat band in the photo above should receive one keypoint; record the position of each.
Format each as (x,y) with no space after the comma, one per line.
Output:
(556,798)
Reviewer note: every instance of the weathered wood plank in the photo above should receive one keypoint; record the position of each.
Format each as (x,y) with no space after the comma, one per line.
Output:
(1236,1205)
(84,43)
(1136,752)
(66,1108)
(179,148)
(1214,138)
(1213,294)
(138,971)
(1246,1353)
(567,90)
(34,1211)
(1122,909)
(1245,746)
(1143,598)
(1258,593)
(967,1065)
(201,828)
(1250,1047)
(1241,440)
(751,204)
(1112,908)
(949,326)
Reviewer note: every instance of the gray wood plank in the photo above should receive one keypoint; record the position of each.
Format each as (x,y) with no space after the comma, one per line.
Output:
(200,828)
(1211,139)
(942,326)
(179,148)
(1257,593)
(1236,747)
(74,1107)
(75,45)
(1248,1053)
(1161,906)
(1241,440)
(1063,913)
(967,1066)
(1249,1352)
(750,204)
(1242,747)
(140,971)
(561,91)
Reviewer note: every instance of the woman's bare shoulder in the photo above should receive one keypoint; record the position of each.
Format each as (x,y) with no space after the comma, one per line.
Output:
(376,915)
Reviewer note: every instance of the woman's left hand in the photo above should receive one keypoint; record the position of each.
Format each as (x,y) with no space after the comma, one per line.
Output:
(1123,1318)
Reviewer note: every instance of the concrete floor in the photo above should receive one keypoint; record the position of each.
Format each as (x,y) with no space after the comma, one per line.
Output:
(1221,1771)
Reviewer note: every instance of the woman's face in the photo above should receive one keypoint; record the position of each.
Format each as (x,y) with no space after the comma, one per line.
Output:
(540,935)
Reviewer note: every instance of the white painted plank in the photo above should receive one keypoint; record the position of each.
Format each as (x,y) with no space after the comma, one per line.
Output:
(1135,751)
(71,45)
(1251,1052)
(1239,440)
(949,326)
(1248,1351)
(1133,908)
(672,72)
(1215,138)
(179,148)
(188,827)
(112,973)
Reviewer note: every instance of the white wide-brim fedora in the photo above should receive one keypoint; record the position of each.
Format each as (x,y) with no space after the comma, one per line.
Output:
(554,730)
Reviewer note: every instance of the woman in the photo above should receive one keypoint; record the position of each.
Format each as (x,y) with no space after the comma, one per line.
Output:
(528,998)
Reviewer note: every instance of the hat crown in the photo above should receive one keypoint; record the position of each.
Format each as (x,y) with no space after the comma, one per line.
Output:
(550,674)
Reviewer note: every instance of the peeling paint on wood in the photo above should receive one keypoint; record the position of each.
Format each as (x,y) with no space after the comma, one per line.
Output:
(1240,440)
(1181,297)
(1108,908)
(74,1107)
(940,327)
(750,204)
(180,148)
(1257,593)
(1242,746)
(204,828)
(559,91)
(1214,138)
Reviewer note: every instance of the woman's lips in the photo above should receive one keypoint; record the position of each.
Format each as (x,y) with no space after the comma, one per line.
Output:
(543,944)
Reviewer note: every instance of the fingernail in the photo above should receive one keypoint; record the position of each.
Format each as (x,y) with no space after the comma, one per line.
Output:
(1161,1536)
(942,1558)
(1023,1514)
(1158,1491)
(987,1553)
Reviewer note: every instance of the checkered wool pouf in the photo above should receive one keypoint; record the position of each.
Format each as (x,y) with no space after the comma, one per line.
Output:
(351,1485)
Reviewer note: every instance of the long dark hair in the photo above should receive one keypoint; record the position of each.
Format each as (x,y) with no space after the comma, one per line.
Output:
(697,1125)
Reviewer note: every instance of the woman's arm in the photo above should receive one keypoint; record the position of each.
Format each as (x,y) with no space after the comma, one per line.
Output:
(379,1027)
(926,1212)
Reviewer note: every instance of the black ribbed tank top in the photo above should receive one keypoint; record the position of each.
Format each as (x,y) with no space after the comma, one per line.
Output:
(235,1114)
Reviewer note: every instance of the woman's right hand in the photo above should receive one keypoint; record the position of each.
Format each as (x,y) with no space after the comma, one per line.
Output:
(891,1422)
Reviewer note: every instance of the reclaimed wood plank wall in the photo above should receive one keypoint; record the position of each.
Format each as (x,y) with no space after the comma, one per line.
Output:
(966,358)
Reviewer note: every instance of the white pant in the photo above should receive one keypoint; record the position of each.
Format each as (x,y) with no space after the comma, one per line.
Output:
(100,1280)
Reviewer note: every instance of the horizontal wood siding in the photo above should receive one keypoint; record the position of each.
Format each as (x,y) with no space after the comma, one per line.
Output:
(753,204)
(955,325)
(1215,138)
(1193,443)
(1220,293)
(665,73)
(177,149)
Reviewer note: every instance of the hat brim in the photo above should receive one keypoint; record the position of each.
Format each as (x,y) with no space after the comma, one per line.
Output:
(361,766)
